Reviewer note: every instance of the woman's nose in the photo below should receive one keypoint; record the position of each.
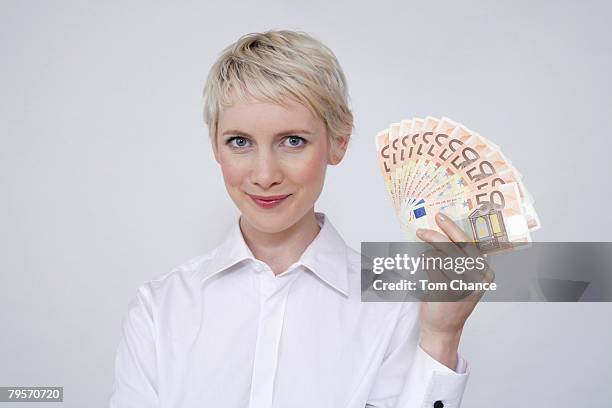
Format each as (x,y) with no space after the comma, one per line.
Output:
(266,170)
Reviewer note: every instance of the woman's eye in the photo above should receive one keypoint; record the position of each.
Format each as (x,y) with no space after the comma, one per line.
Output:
(295,141)
(237,142)
(240,142)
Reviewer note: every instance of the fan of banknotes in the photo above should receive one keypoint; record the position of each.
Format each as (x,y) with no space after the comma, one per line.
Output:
(435,165)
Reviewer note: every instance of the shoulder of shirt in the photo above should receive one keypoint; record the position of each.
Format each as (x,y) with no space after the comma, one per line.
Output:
(183,272)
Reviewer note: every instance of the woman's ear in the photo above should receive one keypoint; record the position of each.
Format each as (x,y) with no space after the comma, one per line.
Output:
(338,149)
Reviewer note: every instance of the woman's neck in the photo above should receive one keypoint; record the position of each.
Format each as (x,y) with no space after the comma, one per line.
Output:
(281,249)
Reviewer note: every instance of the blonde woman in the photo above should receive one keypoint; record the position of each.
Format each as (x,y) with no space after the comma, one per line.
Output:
(272,317)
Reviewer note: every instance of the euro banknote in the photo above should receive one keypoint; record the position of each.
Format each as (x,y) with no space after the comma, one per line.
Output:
(432,165)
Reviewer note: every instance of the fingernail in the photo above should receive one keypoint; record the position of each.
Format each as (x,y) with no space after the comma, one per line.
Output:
(420,232)
(442,217)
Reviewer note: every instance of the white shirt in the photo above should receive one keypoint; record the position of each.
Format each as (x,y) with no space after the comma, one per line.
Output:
(223,331)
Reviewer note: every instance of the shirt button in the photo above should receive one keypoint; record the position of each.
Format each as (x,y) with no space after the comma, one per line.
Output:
(438,404)
(259,267)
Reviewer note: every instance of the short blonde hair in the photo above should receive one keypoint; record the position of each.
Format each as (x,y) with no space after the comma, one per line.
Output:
(274,65)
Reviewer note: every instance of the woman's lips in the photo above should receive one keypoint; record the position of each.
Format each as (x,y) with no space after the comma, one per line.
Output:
(268,201)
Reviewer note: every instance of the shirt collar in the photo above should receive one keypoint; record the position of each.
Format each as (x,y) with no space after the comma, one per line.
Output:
(325,256)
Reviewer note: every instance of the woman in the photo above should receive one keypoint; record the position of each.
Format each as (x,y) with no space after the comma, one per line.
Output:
(272,317)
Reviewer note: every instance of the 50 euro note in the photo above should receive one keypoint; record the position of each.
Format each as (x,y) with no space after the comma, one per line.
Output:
(412,158)
(456,186)
(494,223)
(476,163)
(447,139)
(422,166)
(432,146)
(394,161)
(511,175)
(434,149)
(508,173)
(405,150)
(384,158)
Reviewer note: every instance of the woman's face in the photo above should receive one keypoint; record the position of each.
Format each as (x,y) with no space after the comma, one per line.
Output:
(273,160)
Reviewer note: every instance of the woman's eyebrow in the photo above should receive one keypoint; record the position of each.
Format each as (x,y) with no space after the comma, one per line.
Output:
(293,132)
(283,133)
(235,132)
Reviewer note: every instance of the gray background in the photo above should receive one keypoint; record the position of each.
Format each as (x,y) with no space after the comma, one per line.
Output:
(107,177)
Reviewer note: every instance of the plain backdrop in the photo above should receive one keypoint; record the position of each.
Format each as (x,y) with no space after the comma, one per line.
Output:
(108,180)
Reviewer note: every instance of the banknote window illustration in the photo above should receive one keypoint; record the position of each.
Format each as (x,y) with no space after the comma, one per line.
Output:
(488,228)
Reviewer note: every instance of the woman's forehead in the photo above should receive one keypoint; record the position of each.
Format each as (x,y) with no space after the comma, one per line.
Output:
(267,116)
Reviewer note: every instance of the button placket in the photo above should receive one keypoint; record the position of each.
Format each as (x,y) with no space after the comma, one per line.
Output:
(272,313)
(274,291)
(267,284)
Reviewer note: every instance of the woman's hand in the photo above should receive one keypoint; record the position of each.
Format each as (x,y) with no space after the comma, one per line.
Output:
(442,322)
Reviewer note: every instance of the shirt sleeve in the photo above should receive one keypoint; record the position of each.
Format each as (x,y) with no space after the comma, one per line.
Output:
(411,378)
(135,383)
(431,384)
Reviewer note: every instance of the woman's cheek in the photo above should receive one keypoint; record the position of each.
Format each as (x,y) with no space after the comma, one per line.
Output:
(311,170)
(233,172)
